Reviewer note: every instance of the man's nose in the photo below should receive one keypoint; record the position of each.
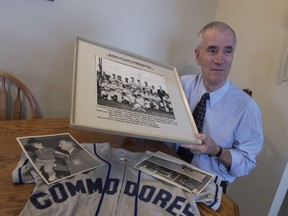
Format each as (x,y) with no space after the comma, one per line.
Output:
(219,58)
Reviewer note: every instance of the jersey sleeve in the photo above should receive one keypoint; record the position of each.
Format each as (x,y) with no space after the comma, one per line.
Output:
(24,171)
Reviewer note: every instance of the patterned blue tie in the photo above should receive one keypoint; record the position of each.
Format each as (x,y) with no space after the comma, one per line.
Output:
(198,115)
(199,111)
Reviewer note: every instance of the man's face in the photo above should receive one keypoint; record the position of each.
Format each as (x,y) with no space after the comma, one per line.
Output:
(215,57)
(37,145)
(64,145)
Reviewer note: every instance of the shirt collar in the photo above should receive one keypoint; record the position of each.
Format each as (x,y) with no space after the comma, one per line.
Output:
(71,150)
(215,96)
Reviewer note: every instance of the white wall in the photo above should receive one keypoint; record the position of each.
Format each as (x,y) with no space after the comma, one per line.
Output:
(262,29)
(37,38)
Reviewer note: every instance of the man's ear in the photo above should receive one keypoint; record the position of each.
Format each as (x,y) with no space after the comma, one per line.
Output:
(197,54)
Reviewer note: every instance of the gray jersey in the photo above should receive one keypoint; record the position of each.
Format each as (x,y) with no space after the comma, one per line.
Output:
(116,188)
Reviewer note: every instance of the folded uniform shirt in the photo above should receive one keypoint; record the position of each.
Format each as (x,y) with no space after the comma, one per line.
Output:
(116,188)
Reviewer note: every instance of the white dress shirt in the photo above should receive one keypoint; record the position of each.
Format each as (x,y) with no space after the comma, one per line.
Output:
(233,120)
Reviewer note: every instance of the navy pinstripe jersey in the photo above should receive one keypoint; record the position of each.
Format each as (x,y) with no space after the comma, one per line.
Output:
(117,188)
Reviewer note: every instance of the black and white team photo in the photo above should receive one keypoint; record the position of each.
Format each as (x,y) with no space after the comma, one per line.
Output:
(131,89)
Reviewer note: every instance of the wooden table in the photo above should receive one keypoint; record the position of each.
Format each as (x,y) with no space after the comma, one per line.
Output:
(13,197)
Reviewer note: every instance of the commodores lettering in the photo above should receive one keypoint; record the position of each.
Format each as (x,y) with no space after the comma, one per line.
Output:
(61,192)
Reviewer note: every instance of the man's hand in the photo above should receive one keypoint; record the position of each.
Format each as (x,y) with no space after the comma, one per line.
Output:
(208,146)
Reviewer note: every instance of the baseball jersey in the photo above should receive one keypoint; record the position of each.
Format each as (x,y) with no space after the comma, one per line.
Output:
(116,188)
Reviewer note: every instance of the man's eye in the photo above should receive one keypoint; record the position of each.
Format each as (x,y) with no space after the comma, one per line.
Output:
(228,51)
(212,51)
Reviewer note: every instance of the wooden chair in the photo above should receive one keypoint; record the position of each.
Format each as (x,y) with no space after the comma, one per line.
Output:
(248,91)
(15,99)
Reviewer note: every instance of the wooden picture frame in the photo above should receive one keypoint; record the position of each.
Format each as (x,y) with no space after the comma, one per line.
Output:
(103,90)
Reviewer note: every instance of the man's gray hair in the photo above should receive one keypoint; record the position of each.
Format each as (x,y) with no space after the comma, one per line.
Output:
(218,25)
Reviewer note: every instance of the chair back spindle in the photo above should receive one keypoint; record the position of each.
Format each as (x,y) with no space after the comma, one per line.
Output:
(17,106)
(14,98)
(3,101)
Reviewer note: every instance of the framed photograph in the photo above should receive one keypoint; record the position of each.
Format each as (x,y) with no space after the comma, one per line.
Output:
(57,156)
(118,92)
(284,66)
(181,174)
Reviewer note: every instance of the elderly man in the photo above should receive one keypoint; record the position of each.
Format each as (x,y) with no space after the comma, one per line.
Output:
(231,132)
